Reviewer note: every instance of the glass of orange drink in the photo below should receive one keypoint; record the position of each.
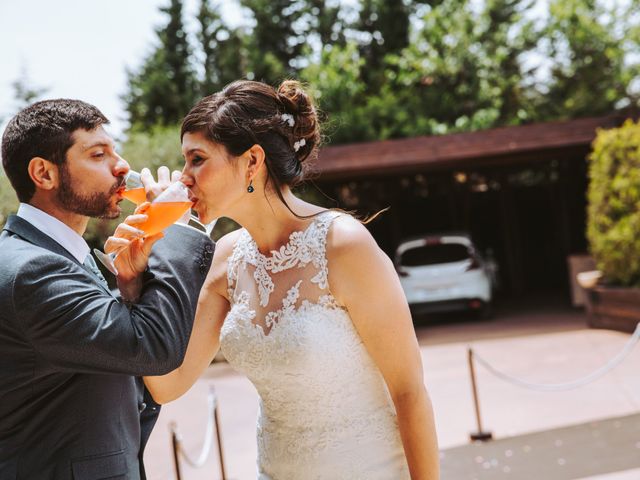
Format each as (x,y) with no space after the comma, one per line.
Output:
(163,211)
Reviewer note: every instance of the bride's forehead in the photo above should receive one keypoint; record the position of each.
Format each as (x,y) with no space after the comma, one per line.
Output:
(195,141)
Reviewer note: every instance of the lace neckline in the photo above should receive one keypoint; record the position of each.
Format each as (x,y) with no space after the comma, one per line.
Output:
(294,242)
(304,247)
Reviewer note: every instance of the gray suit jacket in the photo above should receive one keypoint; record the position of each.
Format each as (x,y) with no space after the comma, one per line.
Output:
(71,403)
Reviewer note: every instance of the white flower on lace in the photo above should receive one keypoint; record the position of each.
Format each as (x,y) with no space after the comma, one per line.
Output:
(288,306)
(288,118)
(299,144)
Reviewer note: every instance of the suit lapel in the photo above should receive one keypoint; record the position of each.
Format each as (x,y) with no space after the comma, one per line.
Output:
(22,228)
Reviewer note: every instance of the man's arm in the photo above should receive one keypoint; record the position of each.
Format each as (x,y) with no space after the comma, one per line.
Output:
(77,326)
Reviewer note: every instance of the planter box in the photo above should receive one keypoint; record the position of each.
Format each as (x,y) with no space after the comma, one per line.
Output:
(615,308)
(576,264)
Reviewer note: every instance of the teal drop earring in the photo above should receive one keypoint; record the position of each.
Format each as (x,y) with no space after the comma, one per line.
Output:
(250,188)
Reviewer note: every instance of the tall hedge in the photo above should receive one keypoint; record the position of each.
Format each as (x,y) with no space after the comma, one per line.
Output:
(613,224)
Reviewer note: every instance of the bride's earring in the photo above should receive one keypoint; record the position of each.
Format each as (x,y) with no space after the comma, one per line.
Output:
(250,188)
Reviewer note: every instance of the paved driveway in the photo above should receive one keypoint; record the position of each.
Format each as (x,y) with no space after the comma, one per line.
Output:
(542,342)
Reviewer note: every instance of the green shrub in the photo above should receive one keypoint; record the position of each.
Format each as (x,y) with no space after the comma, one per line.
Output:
(613,223)
(8,199)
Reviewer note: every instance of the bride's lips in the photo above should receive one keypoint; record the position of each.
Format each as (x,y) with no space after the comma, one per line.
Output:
(193,199)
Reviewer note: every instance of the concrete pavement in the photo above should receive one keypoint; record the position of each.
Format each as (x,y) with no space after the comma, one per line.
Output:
(543,343)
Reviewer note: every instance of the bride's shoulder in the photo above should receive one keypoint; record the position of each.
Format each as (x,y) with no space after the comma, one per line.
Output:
(227,242)
(217,278)
(346,236)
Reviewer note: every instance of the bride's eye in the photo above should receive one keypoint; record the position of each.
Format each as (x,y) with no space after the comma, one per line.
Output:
(197,160)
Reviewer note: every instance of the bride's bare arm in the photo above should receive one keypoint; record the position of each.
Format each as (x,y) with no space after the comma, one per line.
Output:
(364,280)
(205,337)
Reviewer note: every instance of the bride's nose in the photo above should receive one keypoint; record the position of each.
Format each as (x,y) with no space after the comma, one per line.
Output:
(186,178)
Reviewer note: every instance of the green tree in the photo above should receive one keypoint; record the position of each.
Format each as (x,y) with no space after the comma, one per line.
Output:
(224,54)
(336,83)
(287,36)
(165,87)
(462,70)
(24,94)
(323,21)
(465,69)
(274,40)
(590,45)
(384,29)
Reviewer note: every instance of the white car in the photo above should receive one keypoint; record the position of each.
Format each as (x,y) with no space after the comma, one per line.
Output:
(445,273)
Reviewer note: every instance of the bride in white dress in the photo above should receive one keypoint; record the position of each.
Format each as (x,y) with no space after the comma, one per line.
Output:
(301,300)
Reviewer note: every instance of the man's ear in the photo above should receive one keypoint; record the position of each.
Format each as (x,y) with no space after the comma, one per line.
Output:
(44,174)
(255,159)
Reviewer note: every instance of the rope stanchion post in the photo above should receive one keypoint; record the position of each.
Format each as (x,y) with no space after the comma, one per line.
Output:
(175,445)
(218,438)
(480,435)
(213,422)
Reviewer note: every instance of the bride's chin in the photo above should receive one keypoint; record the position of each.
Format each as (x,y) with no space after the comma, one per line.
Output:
(204,217)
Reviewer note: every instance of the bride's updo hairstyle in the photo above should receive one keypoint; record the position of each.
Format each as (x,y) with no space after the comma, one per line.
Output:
(283,122)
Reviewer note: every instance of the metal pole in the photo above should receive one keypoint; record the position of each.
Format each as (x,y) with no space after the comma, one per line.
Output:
(175,443)
(219,440)
(479,435)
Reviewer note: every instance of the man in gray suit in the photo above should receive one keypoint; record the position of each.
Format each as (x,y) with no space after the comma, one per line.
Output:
(72,405)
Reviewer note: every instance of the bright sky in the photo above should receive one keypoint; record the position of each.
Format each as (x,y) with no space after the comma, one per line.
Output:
(80,48)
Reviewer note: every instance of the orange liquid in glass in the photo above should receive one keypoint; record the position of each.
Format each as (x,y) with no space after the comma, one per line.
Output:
(162,215)
(136,195)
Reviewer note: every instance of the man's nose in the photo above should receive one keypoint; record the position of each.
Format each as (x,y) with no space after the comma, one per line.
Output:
(121,167)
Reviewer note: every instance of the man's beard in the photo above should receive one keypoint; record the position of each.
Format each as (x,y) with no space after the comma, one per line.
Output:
(96,204)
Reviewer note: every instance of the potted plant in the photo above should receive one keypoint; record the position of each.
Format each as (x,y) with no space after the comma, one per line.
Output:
(613,228)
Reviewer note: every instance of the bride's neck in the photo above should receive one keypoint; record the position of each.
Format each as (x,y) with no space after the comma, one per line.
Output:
(270,222)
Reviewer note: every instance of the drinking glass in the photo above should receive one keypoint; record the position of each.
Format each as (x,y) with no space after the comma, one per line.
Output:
(164,211)
(135,192)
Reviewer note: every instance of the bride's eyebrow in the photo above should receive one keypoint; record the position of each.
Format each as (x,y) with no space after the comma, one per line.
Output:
(193,151)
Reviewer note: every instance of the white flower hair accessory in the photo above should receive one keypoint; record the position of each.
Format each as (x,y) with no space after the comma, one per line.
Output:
(299,144)
(288,118)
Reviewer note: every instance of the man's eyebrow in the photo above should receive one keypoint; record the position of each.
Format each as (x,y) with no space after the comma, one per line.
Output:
(99,143)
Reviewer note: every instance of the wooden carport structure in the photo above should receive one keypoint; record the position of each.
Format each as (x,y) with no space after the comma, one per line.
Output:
(519,191)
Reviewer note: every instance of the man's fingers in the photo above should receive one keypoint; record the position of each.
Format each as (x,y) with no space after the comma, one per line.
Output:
(114,244)
(164,176)
(149,241)
(127,231)
(146,178)
(135,220)
(143,207)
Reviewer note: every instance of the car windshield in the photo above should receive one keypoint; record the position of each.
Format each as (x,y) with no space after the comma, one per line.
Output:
(434,254)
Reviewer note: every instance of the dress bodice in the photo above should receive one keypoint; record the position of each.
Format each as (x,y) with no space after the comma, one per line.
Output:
(325,411)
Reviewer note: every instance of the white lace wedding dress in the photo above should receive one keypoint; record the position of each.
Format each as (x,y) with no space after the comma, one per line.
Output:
(325,411)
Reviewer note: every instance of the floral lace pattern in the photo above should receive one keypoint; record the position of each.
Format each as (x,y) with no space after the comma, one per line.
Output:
(325,411)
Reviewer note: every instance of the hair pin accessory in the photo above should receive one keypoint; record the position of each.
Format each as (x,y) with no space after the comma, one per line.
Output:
(299,144)
(288,118)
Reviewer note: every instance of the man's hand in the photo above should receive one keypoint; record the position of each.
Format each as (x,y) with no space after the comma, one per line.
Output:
(165,178)
(134,250)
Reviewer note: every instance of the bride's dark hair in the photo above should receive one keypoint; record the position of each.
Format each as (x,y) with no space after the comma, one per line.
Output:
(284,122)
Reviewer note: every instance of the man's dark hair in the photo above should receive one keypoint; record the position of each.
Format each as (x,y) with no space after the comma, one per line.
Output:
(45,130)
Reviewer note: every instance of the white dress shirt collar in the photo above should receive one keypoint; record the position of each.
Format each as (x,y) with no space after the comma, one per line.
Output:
(51,226)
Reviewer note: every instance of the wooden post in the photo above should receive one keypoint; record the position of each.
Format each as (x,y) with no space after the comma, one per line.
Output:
(175,443)
(218,436)
(479,435)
